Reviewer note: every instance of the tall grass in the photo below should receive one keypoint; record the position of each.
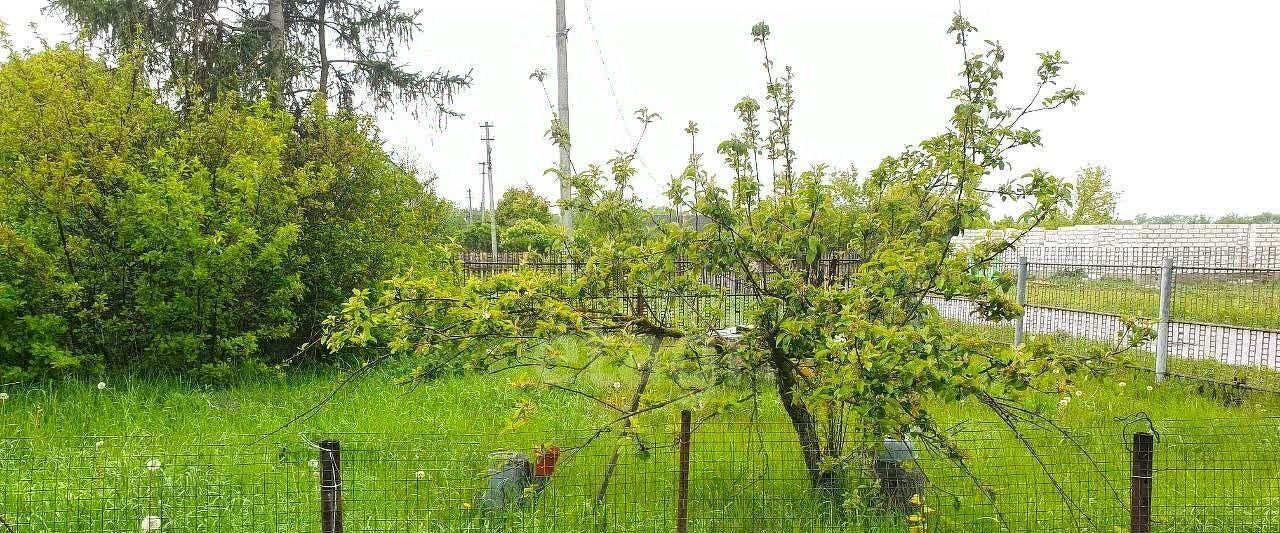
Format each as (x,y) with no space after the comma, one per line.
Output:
(75,458)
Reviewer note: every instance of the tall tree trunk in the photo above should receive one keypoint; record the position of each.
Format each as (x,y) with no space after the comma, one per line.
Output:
(322,46)
(275,13)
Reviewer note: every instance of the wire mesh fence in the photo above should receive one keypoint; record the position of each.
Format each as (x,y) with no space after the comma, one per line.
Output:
(1257,257)
(739,475)
(1216,311)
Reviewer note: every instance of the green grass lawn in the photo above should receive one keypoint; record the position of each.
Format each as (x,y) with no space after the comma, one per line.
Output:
(75,458)
(1254,304)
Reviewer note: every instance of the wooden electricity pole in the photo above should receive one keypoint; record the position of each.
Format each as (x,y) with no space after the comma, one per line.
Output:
(493,209)
(562,97)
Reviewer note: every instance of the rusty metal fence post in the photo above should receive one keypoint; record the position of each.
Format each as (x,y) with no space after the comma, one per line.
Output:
(682,489)
(330,487)
(1140,478)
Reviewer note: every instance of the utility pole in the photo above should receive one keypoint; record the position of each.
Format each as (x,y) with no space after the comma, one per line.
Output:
(493,209)
(562,97)
(468,205)
(484,188)
(692,130)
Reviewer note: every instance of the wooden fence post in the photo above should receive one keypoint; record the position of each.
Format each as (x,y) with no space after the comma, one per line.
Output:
(330,487)
(1140,479)
(682,490)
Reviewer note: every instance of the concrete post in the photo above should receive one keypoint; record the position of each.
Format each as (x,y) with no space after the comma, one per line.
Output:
(1019,324)
(1162,334)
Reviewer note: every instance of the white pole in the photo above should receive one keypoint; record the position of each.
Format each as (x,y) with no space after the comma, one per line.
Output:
(493,209)
(562,97)
(1162,335)
(1019,325)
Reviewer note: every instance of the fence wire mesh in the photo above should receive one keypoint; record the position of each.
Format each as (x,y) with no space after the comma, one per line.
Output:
(1209,476)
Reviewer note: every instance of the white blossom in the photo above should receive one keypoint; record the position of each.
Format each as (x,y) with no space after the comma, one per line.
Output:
(4,396)
(102,385)
(153,465)
(420,475)
(150,523)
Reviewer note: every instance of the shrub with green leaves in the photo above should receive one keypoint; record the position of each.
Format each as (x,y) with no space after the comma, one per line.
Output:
(135,236)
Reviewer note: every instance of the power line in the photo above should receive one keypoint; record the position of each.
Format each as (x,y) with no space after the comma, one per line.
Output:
(613,92)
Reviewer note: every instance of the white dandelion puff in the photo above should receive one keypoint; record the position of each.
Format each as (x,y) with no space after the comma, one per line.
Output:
(153,465)
(419,475)
(102,385)
(4,396)
(150,523)
(1150,388)
(314,464)
(1121,384)
(1079,392)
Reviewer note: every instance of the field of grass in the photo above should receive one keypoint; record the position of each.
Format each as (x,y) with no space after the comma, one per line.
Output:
(1245,303)
(76,458)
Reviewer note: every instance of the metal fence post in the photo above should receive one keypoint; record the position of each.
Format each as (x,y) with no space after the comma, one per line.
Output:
(1019,325)
(330,487)
(1162,334)
(1140,478)
(682,489)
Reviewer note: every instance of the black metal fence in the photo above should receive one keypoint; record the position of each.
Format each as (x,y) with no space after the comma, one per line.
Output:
(1183,475)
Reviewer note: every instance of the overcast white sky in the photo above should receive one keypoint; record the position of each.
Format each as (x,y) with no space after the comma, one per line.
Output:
(1181,101)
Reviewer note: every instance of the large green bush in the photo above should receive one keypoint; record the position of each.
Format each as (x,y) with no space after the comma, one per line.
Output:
(132,235)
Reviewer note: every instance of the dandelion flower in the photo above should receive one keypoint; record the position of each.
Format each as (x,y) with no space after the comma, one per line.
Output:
(1121,384)
(915,499)
(102,385)
(466,505)
(314,464)
(617,385)
(1150,388)
(1064,401)
(4,396)
(1079,392)
(420,475)
(97,444)
(153,465)
(150,523)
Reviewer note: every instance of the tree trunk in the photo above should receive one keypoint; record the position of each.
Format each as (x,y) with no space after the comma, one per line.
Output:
(275,13)
(322,46)
(805,424)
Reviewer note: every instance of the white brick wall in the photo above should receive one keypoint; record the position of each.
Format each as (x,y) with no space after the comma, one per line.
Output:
(1235,245)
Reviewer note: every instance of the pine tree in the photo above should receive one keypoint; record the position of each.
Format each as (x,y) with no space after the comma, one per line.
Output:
(195,50)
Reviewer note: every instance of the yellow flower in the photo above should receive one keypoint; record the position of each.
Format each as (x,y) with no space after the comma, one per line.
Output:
(916,500)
